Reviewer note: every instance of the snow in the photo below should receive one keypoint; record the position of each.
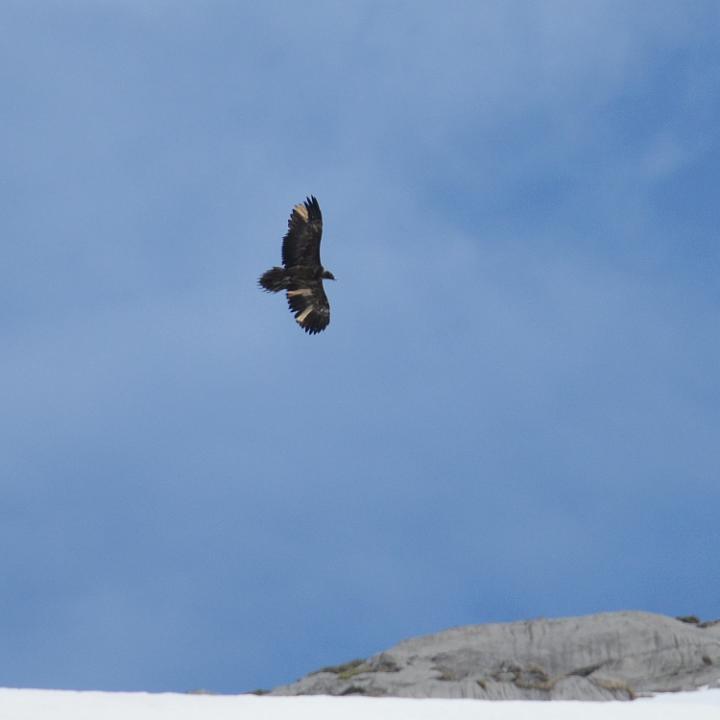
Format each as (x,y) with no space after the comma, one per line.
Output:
(69,705)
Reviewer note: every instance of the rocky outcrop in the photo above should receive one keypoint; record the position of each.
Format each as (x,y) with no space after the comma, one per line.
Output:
(610,656)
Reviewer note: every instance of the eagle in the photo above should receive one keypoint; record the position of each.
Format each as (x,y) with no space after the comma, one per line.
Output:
(302,273)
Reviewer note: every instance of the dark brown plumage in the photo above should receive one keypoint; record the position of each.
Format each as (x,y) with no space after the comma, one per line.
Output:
(302,273)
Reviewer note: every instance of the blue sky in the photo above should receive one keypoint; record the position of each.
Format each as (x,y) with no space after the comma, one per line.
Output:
(515,411)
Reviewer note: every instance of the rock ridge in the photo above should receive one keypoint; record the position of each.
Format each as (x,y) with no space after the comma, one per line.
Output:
(607,656)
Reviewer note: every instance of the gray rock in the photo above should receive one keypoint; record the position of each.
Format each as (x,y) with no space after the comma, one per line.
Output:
(609,656)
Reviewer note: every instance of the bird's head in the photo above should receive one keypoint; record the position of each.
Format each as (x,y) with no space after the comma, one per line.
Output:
(327,275)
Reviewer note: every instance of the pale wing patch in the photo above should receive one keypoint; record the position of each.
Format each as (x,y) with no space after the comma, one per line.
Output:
(301,210)
(303,291)
(301,317)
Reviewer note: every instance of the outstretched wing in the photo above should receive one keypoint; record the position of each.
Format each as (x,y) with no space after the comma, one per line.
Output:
(301,244)
(310,304)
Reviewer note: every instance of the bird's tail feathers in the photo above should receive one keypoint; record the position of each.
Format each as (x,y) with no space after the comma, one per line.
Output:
(274,280)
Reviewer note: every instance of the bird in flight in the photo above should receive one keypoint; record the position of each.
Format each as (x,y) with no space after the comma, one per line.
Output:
(302,273)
